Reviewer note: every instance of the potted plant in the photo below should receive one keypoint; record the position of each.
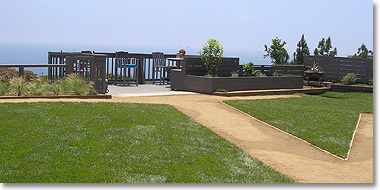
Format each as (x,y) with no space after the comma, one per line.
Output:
(182,53)
(314,73)
(212,55)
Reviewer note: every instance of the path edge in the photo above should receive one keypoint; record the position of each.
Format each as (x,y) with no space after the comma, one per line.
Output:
(318,148)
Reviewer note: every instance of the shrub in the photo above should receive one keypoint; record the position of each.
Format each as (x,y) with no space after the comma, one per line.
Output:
(314,69)
(235,74)
(370,81)
(221,90)
(29,75)
(249,70)
(275,74)
(212,56)
(260,74)
(8,73)
(209,76)
(349,79)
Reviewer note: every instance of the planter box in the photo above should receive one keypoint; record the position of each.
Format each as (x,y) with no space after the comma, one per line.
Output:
(311,76)
(60,96)
(180,81)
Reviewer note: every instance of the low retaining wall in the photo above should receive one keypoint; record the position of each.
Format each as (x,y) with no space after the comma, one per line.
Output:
(180,81)
(351,88)
(311,91)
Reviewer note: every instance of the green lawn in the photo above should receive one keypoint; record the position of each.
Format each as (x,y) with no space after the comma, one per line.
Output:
(117,143)
(327,121)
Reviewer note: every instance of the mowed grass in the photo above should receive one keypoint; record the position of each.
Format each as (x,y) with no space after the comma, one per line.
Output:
(117,143)
(327,121)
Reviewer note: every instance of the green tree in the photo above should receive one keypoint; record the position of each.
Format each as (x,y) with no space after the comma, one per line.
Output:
(363,52)
(324,47)
(212,55)
(301,51)
(316,52)
(277,52)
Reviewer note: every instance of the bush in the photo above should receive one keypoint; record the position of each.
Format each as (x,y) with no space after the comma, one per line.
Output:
(212,55)
(221,90)
(29,75)
(235,74)
(260,74)
(8,73)
(249,70)
(349,79)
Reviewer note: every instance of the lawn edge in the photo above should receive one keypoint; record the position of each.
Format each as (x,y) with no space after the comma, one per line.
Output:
(353,135)
(101,96)
(318,148)
(293,181)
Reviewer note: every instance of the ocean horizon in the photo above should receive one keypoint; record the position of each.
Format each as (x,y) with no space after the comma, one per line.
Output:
(27,53)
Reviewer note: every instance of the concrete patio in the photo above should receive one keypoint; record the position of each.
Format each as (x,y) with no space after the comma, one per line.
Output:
(143,90)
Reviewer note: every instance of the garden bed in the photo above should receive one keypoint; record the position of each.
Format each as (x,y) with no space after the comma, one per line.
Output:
(339,87)
(101,96)
(180,81)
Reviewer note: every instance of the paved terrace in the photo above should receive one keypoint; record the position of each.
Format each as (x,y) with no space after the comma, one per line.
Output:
(143,90)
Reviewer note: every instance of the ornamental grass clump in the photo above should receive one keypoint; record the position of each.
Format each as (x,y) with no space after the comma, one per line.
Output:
(18,86)
(349,79)
(38,86)
(212,56)
(56,87)
(74,84)
(3,86)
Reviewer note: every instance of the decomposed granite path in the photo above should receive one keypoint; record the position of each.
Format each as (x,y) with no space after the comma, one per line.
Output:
(290,156)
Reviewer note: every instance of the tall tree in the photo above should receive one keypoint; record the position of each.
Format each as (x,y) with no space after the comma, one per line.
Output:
(301,51)
(324,47)
(277,52)
(363,52)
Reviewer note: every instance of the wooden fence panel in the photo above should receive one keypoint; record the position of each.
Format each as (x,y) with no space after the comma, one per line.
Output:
(336,68)
(193,65)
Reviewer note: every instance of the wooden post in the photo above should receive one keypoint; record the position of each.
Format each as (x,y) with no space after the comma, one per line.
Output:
(69,65)
(140,70)
(92,69)
(49,68)
(21,71)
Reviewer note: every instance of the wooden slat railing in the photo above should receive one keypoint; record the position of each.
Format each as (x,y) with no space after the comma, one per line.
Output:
(143,59)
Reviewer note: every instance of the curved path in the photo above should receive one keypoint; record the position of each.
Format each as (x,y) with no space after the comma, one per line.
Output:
(290,156)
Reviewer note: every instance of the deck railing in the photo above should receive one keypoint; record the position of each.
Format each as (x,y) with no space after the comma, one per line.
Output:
(145,61)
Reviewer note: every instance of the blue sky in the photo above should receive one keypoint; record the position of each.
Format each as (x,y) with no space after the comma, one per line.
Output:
(241,26)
